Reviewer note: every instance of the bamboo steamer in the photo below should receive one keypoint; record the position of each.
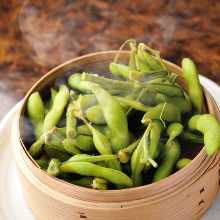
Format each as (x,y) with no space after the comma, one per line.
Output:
(185,195)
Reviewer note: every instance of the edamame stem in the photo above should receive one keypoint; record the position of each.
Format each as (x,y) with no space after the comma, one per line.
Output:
(125,154)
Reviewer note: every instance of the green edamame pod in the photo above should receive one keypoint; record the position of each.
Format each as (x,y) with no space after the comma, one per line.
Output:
(124,154)
(43,163)
(83,129)
(174,130)
(90,169)
(70,146)
(57,147)
(49,103)
(35,108)
(210,129)
(83,81)
(71,121)
(103,146)
(191,76)
(191,137)
(87,101)
(54,167)
(182,103)
(115,118)
(36,112)
(166,89)
(84,181)
(76,82)
(55,152)
(85,143)
(54,115)
(182,163)
(171,155)
(90,158)
(94,114)
(141,157)
(164,111)
(155,134)
(127,102)
(119,69)
(36,147)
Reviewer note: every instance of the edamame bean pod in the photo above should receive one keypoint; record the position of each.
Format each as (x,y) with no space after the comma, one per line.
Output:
(71,121)
(174,130)
(70,146)
(35,108)
(103,146)
(49,103)
(155,134)
(87,101)
(164,111)
(36,112)
(54,167)
(210,129)
(182,103)
(83,129)
(54,115)
(141,157)
(191,137)
(171,155)
(85,143)
(115,118)
(94,114)
(84,181)
(182,163)
(83,81)
(42,163)
(191,76)
(128,102)
(36,148)
(76,82)
(55,140)
(119,69)
(90,169)
(90,158)
(55,152)
(166,89)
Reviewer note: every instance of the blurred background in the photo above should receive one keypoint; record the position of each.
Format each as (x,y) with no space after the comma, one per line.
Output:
(35,35)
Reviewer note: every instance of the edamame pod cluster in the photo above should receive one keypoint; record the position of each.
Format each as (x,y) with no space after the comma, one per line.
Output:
(128,129)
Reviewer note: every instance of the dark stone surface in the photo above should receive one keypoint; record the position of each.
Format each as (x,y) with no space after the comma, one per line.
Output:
(37,35)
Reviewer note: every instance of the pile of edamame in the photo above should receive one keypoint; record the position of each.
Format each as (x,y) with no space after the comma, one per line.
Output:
(123,131)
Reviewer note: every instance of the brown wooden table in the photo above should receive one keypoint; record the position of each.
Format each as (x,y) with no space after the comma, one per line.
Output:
(37,35)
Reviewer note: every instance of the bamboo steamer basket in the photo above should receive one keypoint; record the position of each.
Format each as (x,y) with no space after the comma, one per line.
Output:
(185,195)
